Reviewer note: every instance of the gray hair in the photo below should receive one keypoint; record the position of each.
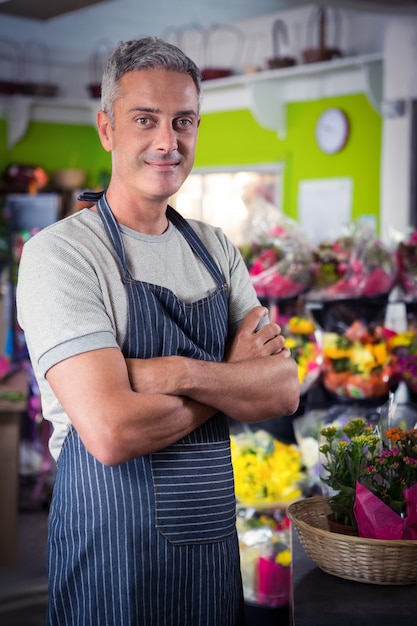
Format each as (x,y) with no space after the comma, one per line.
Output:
(147,53)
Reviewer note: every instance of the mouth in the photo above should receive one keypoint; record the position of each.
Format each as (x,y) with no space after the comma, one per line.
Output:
(166,163)
(163,166)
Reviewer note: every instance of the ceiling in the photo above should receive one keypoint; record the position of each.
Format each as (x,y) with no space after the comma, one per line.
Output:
(39,10)
(45,10)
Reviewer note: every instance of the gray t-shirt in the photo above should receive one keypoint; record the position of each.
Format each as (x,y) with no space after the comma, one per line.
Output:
(70,297)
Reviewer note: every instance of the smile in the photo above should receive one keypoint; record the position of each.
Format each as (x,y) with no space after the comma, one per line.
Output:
(164,165)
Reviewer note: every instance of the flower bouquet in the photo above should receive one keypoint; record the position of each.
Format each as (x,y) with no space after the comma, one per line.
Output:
(403,347)
(268,474)
(264,543)
(358,363)
(330,263)
(407,265)
(300,337)
(355,266)
(279,261)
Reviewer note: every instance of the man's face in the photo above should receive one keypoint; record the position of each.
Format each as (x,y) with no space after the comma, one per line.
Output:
(155,130)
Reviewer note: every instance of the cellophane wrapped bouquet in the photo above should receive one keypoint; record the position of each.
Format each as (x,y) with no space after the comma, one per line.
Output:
(300,338)
(356,265)
(358,364)
(268,475)
(279,260)
(403,347)
(404,344)
(407,265)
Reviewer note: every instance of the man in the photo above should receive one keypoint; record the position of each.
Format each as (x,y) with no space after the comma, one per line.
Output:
(144,332)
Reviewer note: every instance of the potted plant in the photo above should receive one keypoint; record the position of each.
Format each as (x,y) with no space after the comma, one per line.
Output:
(345,453)
(373,477)
(386,494)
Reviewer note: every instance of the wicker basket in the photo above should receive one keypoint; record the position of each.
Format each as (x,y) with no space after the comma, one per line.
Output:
(371,561)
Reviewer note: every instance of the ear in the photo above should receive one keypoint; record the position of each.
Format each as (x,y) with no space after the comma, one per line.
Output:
(105,131)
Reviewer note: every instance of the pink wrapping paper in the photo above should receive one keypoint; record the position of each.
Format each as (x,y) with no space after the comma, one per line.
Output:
(361,284)
(272,284)
(274,582)
(376,520)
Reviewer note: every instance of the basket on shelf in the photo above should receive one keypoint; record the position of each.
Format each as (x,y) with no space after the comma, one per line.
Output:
(101,52)
(319,18)
(281,58)
(212,47)
(373,561)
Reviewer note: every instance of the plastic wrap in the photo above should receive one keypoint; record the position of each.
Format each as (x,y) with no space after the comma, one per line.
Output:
(358,363)
(279,261)
(407,265)
(355,265)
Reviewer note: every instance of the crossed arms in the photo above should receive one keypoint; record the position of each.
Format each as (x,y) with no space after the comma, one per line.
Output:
(122,408)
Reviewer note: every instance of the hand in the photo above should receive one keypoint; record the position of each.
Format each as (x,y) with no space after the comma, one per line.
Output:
(252,342)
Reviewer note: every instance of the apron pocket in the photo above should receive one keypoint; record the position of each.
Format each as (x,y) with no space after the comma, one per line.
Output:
(194,492)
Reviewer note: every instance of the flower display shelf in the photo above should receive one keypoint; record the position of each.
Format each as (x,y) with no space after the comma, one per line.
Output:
(372,561)
(337,315)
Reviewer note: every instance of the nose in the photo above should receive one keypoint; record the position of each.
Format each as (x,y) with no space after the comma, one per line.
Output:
(166,138)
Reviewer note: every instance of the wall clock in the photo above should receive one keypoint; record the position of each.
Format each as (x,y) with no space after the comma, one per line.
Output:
(332,130)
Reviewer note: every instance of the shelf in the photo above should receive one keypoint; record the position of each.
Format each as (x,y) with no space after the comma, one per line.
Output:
(18,111)
(267,93)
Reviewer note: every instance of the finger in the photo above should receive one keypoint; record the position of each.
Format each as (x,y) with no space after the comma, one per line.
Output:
(268,332)
(278,341)
(275,345)
(285,352)
(251,321)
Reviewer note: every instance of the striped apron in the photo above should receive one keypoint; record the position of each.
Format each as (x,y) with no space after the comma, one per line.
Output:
(151,541)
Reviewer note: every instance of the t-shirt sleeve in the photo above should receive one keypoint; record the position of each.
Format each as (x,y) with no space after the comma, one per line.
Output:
(59,301)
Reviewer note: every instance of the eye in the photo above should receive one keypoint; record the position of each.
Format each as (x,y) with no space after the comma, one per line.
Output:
(143,121)
(183,123)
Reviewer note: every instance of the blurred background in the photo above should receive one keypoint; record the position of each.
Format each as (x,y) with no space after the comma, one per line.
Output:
(309,125)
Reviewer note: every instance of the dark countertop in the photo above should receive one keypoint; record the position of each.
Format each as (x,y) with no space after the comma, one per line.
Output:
(320,599)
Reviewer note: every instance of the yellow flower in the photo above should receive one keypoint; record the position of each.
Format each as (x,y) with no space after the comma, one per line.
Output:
(332,348)
(381,354)
(284,558)
(401,339)
(291,342)
(367,357)
(362,357)
(265,470)
(306,359)
(300,326)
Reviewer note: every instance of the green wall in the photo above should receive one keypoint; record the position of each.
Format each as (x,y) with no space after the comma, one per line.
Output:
(58,146)
(235,138)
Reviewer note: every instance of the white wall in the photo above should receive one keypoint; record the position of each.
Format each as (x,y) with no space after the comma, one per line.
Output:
(400,85)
